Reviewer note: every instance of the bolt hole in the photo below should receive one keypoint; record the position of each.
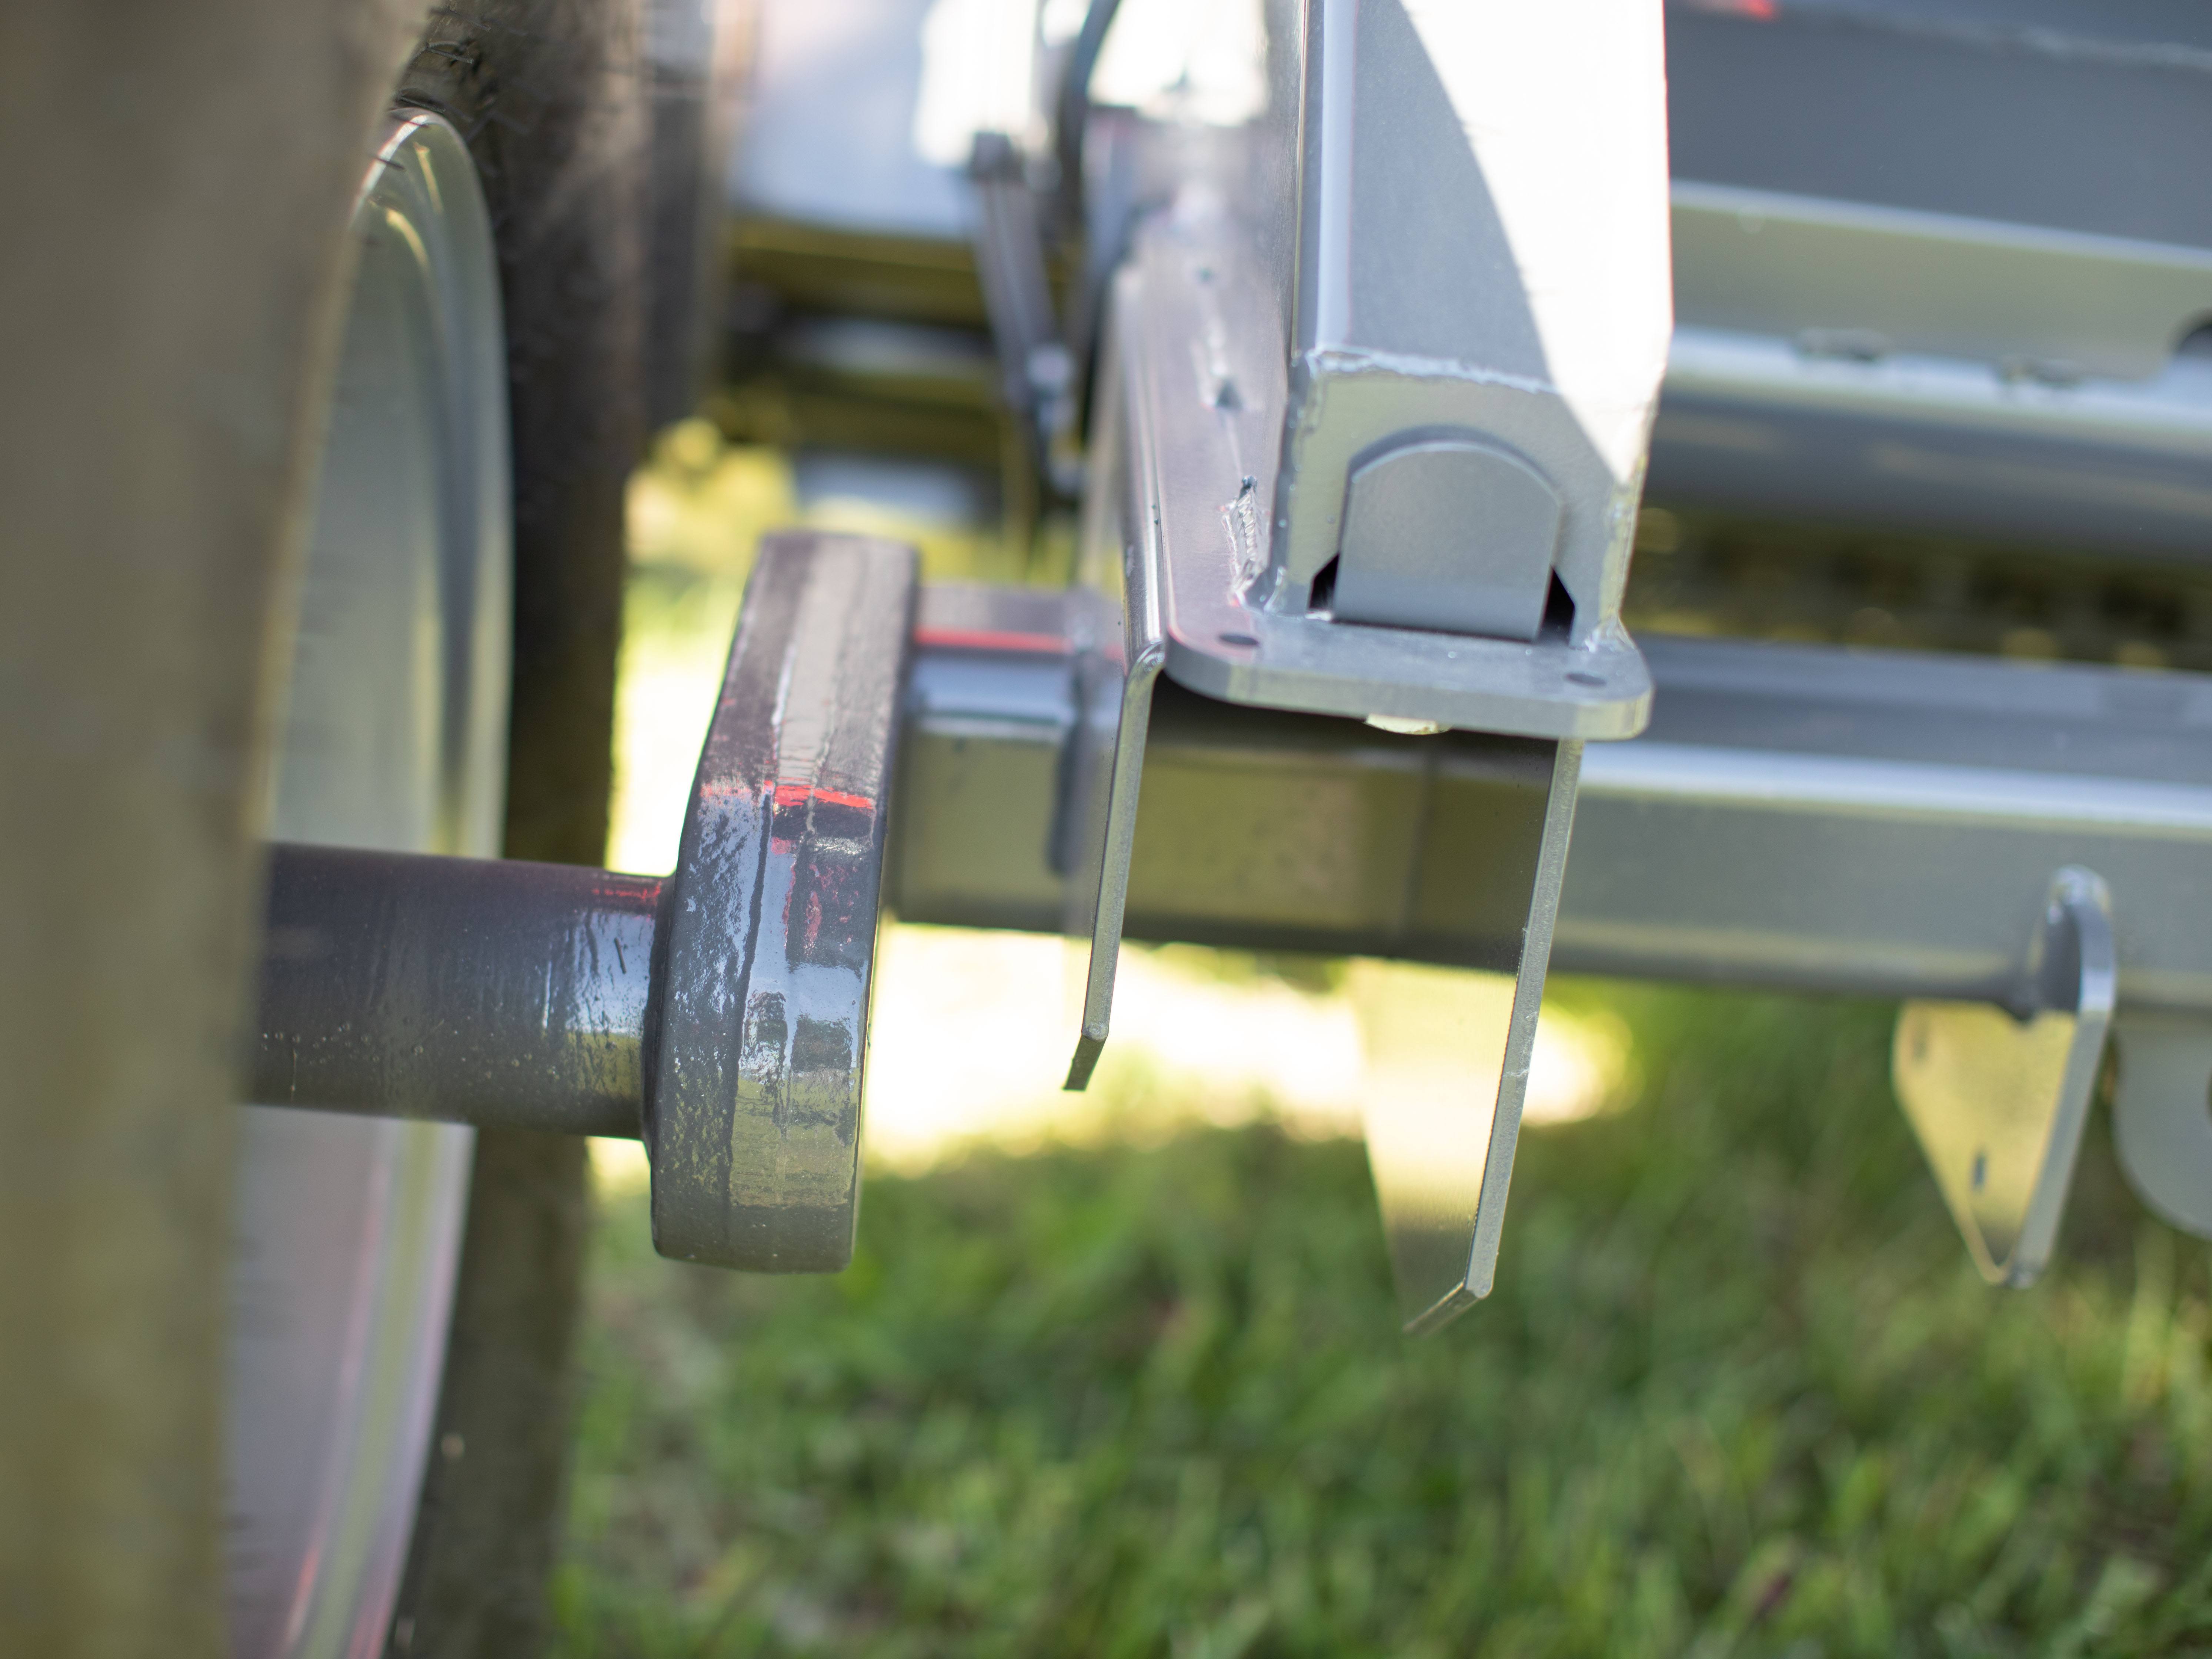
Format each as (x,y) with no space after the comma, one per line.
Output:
(1245,640)
(1580,678)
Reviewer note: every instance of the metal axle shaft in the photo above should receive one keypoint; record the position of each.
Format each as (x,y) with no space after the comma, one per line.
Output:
(500,994)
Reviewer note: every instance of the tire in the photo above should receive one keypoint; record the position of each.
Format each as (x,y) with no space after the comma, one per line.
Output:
(547,92)
(176,289)
(694,51)
(345,1333)
(173,283)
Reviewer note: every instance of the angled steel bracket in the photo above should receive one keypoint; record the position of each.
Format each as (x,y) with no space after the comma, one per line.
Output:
(1377,457)
(1999,1095)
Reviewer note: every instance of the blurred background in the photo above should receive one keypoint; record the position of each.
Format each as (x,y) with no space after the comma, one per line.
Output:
(1119,1372)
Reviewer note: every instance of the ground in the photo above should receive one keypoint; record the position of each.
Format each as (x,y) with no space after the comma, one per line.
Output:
(1738,1391)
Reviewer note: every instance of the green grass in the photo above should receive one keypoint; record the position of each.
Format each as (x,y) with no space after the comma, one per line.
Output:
(1737,1392)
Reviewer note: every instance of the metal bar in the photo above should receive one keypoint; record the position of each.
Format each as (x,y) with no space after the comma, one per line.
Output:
(1887,824)
(496,992)
(1872,823)
(1944,444)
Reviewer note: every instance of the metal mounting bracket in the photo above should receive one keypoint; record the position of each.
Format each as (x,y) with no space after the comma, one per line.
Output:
(1375,452)
(1441,1170)
(1999,1095)
(1174,542)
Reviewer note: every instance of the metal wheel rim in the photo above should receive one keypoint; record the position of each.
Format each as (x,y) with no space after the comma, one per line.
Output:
(349,1231)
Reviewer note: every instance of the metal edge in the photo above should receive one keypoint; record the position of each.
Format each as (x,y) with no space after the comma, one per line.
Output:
(2084,901)
(1144,652)
(1520,1044)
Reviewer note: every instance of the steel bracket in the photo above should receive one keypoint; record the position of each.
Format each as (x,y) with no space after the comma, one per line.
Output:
(1379,456)
(1999,1094)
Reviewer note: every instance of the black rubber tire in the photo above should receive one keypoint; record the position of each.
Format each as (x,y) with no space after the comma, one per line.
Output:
(548,94)
(690,96)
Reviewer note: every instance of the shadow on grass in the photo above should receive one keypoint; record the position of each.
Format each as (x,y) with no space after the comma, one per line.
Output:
(1737,1391)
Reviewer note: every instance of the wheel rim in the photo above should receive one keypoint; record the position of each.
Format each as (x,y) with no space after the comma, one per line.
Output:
(349,1230)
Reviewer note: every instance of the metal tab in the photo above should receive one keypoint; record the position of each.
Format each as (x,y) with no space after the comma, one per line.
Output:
(1999,1097)
(1119,645)
(1448,533)
(754,1119)
(1442,1148)
(1107,756)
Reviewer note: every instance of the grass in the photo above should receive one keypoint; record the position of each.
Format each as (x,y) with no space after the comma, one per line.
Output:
(1737,1392)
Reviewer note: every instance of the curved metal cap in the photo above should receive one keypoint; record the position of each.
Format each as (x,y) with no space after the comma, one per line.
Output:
(753,1109)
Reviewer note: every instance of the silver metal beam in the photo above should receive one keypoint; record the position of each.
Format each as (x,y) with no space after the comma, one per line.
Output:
(1875,822)
(1887,823)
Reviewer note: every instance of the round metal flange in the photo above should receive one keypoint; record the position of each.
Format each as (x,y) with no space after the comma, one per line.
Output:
(394,739)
